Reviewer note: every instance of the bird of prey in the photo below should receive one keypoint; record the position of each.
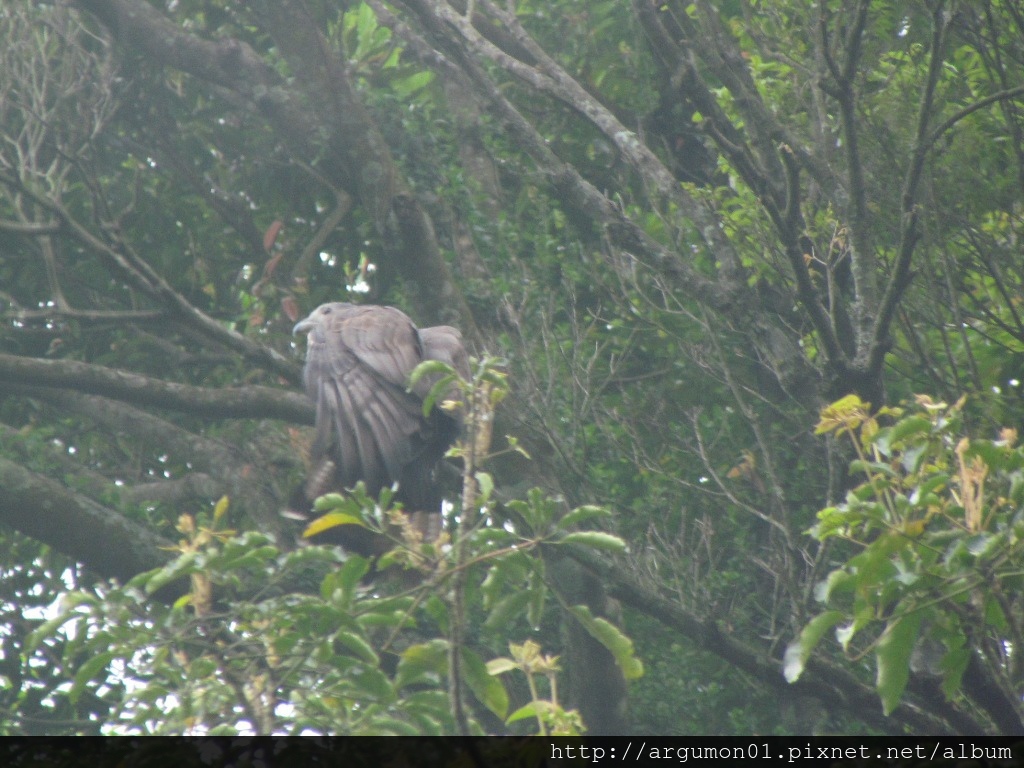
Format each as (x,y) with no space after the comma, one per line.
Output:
(369,426)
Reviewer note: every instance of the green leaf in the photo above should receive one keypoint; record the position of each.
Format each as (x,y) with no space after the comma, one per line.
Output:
(375,684)
(912,425)
(925,491)
(486,483)
(846,633)
(525,711)
(49,628)
(487,688)
(428,367)
(953,666)
(799,651)
(437,609)
(183,565)
(596,540)
(352,572)
(500,666)
(89,670)
(506,573)
(330,501)
(240,561)
(838,580)
(845,413)
(538,592)
(425,662)
(201,667)
(982,545)
(507,610)
(409,85)
(331,520)
(893,657)
(994,616)
(869,467)
(221,508)
(578,515)
(390,726)
(359,647)
(606,633)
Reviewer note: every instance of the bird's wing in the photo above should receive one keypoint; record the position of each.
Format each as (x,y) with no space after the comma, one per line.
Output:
(357,376)
(382,338)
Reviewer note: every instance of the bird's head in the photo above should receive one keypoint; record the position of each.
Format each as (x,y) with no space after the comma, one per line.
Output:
(319,318)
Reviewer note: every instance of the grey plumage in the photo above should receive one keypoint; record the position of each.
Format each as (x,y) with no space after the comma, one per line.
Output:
(368,426)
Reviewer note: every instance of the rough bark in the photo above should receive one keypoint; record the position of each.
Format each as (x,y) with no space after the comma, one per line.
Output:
(106,541)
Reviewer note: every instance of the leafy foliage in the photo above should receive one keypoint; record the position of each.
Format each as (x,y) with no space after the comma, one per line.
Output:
(249,640)
(937,521)
(684,228)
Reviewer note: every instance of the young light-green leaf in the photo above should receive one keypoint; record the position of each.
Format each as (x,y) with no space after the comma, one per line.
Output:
(612,638)
(800,649)
(578,515)
(597,540)
(330,520)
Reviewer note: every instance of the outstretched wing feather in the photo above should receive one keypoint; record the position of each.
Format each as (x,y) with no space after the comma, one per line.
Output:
(368,426)
(358,374)
(383,339)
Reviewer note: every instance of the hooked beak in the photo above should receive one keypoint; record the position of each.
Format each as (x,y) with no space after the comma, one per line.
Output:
(303,326)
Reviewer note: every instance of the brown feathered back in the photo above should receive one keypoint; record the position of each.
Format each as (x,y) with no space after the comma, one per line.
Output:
(368,427)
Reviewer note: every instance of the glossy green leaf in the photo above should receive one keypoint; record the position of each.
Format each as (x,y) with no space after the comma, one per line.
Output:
(581,514)
(799,651)
(892,655)
(597,540)
(487,688)
(612,638)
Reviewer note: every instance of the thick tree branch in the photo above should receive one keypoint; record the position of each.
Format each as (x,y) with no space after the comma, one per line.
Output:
(225,403)
(56,458)
(229,63)
(100,538)
(89,315)
(197,486)
(729,66)
(781,203)
(234,467)
(331,109)
(863,260)
(30,228)
(569,185)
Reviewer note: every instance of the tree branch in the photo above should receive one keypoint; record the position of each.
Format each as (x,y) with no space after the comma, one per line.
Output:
(571,187)
(225,403)
(30,228)
(1008,94)
(143,277)
(197,486)
(829,684)
(100,538)
(863,261)
(874,355)
(232,466)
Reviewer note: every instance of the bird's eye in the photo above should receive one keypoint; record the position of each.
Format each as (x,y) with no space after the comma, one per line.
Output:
(327,310)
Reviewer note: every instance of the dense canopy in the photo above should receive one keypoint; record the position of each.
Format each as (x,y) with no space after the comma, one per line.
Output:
(742,283)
